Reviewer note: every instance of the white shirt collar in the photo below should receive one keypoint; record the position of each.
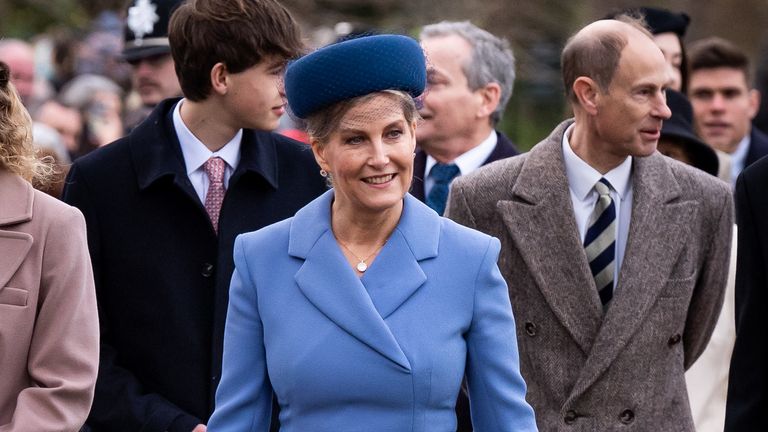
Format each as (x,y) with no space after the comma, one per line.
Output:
(196,153)
(739,157)
(582,177)
(470,160)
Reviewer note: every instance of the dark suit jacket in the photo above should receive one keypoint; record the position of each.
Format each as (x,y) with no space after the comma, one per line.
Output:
(624,369)
(758,146)
(162,274)
(748,381)
(504,149)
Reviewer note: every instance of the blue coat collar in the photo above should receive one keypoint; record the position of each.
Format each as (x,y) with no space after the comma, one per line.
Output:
(419,225)
(360,305)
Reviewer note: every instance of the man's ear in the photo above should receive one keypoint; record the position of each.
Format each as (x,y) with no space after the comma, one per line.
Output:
(491,96)
(219,78)
(587,94)
(754,102)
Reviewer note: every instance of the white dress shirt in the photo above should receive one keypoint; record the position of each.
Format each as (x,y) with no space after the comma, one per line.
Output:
(467,162)
(738,159)
(196,154)
(581,182)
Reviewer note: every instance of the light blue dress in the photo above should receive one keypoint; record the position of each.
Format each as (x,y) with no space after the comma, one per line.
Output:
(385,352)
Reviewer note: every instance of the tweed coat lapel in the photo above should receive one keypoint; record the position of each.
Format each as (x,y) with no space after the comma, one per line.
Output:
(657,234)
(539,218)
(16,197)
(360,306)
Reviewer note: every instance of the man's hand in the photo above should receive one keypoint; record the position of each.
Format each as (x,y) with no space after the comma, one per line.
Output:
(200,428)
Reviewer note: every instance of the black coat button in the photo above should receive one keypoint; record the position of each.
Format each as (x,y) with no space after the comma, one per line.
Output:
(207,270)
(627,416)
(674,339)
(530,329)
(570,417)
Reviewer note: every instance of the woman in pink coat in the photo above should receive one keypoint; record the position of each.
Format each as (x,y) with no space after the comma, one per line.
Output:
(49,335)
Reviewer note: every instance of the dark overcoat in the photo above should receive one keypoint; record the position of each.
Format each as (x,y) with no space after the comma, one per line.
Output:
(748,381)
(758,146)
(162,273)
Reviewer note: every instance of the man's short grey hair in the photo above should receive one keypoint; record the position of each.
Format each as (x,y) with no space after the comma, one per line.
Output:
(492,58)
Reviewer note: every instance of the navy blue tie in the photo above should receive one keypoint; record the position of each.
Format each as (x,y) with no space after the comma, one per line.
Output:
(442,174)
(600,241)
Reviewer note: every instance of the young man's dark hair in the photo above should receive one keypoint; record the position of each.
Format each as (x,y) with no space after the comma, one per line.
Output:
(237,33)
(714,52)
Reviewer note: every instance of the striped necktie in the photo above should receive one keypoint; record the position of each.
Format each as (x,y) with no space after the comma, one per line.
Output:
(600,241)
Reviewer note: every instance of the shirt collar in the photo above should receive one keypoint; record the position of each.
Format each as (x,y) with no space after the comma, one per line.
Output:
(472,159)
(740,154)
(582,177)
(195,152)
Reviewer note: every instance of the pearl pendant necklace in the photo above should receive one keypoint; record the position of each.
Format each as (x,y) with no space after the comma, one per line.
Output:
(361,266)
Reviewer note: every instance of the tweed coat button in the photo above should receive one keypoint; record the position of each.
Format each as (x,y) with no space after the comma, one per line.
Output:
(207,270)
(675,339)
(627,416)
(530,329)
(570,417)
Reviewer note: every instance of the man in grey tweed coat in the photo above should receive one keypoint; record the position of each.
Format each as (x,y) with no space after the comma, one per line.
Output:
(615,256)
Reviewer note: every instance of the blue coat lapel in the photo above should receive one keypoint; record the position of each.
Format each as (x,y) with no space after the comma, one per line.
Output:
(328,282)
(396,274)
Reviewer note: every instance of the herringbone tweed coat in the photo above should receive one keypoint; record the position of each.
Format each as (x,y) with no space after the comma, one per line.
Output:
(622,370)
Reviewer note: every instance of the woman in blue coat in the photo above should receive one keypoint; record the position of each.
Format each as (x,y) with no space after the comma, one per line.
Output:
(366,310)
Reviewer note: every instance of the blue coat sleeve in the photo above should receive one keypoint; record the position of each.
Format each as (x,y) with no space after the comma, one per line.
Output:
(496,388)
(244,396)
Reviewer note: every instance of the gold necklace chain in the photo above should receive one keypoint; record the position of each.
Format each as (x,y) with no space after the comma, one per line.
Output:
(361,266)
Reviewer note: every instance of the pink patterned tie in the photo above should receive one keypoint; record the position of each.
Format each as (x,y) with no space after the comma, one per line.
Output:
(214,167)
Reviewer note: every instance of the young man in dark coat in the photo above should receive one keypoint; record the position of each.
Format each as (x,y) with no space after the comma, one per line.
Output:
(164,205)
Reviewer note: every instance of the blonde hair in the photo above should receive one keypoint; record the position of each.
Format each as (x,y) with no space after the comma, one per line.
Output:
(17,154)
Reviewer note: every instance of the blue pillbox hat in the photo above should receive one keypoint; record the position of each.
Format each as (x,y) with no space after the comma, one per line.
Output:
(353,68)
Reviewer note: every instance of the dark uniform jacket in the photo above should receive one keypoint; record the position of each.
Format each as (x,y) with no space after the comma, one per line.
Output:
(162,273)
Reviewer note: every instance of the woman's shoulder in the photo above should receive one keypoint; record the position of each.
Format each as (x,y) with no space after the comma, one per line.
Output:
(468,237)
(49,211)
(269,234)
(427,227)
